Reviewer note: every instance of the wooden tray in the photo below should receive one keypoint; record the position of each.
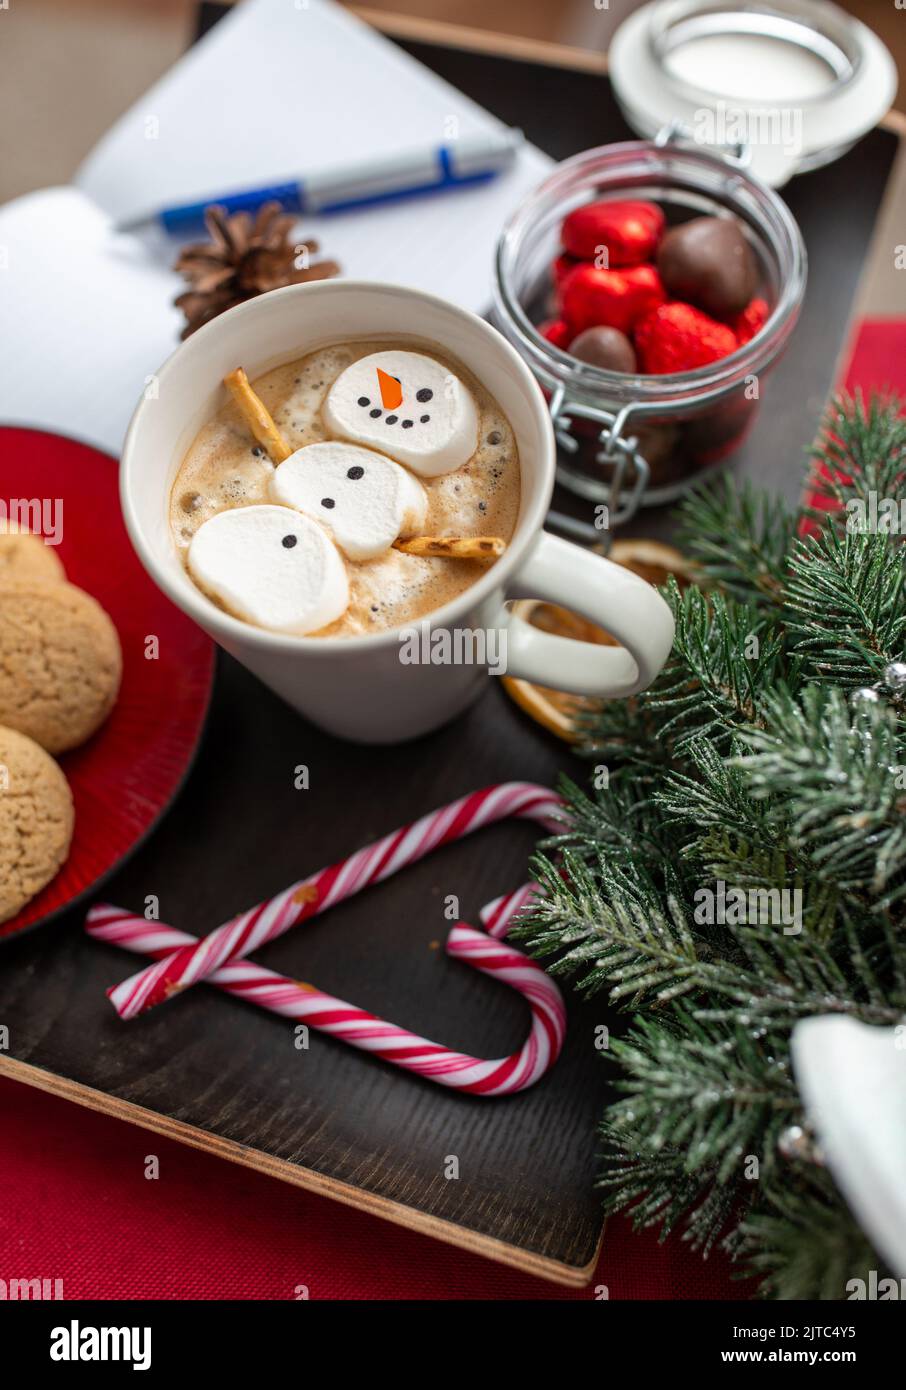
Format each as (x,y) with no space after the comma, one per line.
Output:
(223,1076)
(216,1074)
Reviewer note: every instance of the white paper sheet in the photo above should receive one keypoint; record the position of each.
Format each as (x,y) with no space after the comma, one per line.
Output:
(281,88)
(85,318)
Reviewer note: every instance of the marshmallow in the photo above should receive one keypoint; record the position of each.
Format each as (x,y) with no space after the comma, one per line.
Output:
(364,499)
(433,430)
(272,567)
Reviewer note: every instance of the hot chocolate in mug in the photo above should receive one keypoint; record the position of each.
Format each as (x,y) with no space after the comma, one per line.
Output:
(394,685)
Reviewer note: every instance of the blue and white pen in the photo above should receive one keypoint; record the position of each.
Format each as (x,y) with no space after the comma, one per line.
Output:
(469,160)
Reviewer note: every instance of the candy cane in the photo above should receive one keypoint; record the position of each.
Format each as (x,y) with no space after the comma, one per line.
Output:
(311,896)
(497,915)
(305,1003)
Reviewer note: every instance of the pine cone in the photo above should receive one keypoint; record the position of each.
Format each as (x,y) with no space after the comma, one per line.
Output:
(244,258)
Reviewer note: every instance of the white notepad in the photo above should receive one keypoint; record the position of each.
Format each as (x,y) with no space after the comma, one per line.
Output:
(279,88)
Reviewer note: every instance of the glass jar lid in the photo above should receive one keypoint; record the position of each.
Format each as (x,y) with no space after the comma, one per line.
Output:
(787,85)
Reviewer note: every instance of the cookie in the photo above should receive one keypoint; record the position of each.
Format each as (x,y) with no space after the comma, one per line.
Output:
(60,663)
(36,819)
(24,556)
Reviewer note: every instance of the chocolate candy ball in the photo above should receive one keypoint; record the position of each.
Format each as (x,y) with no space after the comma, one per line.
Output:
(709,263)
(604,347)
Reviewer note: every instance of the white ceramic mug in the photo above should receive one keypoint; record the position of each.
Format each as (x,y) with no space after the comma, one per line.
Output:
(358,687)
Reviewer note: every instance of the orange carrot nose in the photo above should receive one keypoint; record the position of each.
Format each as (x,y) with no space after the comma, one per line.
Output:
(391,391)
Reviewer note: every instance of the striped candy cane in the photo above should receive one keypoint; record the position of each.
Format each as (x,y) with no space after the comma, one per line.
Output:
(309,897)
(306,1004)
(497,915)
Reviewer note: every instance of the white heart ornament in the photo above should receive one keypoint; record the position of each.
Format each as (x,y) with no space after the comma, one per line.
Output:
(364,499)
(272,567)
(434,427)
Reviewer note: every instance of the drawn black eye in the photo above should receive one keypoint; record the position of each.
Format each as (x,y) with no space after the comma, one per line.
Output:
(391,419)
(290,541)
(328,502)
(424,395)
(363,400)
(355,472)
(374,414)
(424,419)
(407,424)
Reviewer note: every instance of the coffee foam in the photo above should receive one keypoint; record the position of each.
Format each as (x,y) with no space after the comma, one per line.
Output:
(224,469)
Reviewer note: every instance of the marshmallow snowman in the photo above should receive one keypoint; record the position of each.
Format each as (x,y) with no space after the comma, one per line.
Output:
(363,499)
(407,405)
(271,566)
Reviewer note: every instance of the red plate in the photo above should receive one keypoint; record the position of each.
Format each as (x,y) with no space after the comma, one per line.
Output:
(124,778)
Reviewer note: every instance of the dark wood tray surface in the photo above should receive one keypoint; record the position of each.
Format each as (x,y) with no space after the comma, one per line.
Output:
(224,1075)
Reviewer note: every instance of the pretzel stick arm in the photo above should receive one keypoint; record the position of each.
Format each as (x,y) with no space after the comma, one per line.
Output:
(257,416)
(453,547)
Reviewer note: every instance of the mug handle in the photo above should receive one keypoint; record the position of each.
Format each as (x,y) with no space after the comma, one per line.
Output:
(625,605)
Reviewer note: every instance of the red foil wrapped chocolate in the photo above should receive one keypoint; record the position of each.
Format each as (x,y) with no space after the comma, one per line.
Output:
(593,298)
(677,337)
(623,232)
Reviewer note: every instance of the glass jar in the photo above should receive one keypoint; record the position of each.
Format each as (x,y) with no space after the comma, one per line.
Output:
(636,440)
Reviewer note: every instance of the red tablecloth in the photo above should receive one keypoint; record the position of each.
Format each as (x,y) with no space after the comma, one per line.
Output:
(76,1204)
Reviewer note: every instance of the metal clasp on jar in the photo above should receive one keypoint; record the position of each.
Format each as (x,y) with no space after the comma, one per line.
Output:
(625,473)
(677,132)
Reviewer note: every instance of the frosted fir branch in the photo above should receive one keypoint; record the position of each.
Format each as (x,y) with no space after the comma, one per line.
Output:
(716,1092)
(861,449)
(741,832)
(625,736)
(738,539)
(802,1241)
(615,819)
(715,794)
(846,609)
(624,939)
(741,839)
(656,1190)
(724,655)
(839,772)
(746,762)
(610,928)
